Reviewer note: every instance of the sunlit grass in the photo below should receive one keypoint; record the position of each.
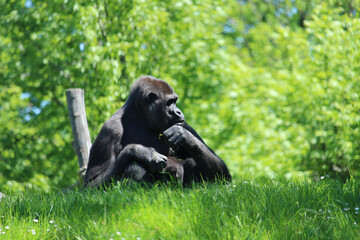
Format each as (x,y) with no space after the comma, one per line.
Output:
(242,210)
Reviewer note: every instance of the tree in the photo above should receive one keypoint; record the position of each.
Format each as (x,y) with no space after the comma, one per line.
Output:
(100,46)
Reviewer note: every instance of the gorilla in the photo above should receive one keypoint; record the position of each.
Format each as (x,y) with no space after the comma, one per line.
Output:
(148,140)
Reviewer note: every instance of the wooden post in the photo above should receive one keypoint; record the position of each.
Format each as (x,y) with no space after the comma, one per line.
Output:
(79,126)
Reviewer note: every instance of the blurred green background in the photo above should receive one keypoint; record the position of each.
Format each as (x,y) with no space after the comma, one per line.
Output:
(272,86)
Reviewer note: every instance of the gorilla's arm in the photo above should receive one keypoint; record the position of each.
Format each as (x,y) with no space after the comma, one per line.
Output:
(139,153)
(146,156)
(207,162)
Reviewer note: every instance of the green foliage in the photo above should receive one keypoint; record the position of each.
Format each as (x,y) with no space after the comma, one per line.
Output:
(334,123)
(257,210)
(272,87)
(299,97)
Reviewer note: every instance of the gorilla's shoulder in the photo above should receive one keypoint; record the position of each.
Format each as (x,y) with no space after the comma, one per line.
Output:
(113,125)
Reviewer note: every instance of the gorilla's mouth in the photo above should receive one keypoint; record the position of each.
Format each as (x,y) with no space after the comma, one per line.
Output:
(178,123)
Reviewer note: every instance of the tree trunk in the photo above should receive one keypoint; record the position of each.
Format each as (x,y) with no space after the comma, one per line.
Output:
(79,126)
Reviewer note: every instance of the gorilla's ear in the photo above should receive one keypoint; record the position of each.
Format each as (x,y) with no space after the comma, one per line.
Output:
(151,97)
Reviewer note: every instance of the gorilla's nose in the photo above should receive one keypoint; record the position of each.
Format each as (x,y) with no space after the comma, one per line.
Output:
(179,114)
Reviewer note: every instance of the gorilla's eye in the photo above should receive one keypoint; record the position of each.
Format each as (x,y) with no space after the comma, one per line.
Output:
(171,101)
(151,97)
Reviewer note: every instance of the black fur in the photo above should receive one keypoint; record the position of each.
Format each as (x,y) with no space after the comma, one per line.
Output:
(149,136)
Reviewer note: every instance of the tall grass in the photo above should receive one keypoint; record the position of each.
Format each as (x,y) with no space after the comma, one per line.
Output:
(258,210)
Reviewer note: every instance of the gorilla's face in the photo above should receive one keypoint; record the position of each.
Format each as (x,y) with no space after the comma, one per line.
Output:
(161,111)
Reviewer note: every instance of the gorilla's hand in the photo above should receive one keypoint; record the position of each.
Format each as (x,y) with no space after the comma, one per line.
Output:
(157,161)
(177,136)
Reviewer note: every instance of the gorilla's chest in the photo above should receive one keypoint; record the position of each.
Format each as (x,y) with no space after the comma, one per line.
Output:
(133,135)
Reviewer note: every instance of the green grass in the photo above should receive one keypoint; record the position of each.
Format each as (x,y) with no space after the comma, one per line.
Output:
(259,210)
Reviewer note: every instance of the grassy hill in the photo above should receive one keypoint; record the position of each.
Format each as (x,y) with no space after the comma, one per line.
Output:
(265,209)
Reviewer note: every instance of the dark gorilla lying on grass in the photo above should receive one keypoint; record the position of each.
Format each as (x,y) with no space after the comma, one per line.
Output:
(148,139)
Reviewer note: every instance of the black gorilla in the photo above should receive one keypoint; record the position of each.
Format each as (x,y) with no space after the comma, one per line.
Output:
(149,136)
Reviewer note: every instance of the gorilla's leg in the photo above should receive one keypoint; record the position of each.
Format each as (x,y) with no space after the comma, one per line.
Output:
(191,171)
